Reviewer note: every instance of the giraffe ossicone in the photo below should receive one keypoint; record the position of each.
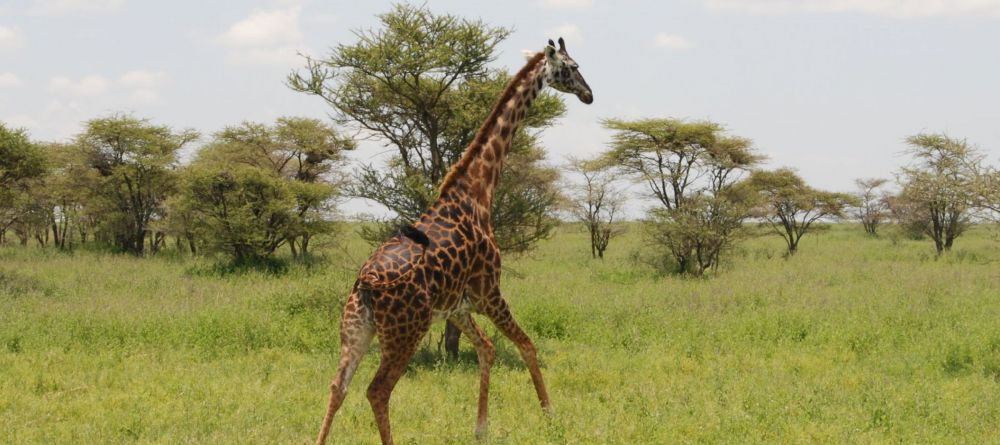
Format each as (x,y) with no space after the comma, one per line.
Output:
(448,263)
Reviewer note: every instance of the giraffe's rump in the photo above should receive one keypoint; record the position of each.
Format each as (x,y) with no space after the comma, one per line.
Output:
(391,263)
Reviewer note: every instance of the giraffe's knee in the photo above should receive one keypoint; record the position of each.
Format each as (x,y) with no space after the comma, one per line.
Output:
(487,355)
(527,348)
(376,394)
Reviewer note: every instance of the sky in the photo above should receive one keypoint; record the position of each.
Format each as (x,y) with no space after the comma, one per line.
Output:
(829,88)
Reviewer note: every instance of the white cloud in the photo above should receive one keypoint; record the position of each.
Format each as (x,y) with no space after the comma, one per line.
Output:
(9,80)
(265,28)
(66,7)
(569,32)
(891,8)
(270,37)
(664,40)
(143,84)
(10,37)
(137,86)
(142,79)
(567,4)
(92,85)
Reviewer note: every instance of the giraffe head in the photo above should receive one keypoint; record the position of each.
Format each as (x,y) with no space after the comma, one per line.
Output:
(563,73)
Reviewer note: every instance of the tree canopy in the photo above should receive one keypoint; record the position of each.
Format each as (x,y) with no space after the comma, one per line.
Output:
(941,188)
(693,170)
(420,83)
(791,207)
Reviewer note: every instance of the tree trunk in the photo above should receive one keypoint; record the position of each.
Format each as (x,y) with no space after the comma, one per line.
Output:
(452,334)
(304,247)
(56,240)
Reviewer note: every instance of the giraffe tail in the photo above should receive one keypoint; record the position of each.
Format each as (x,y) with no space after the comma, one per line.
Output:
(415,234)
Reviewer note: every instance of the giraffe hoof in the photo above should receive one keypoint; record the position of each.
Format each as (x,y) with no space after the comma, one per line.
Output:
(481,432)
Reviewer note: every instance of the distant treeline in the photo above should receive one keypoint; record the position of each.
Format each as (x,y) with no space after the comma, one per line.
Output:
(252,189)
(421,84)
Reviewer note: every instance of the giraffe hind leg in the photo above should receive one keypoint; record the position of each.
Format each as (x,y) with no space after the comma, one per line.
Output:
(499,313)
(356,331)
(397,347)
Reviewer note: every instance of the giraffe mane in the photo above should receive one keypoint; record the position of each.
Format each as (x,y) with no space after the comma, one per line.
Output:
(491,121)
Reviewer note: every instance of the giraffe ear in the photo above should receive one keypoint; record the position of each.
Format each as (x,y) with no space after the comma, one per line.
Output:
(550,52)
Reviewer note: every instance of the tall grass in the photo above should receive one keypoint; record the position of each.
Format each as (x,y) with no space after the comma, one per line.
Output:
(854,340)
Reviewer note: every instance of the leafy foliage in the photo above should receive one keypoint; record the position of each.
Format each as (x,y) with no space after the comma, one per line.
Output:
(260,187)
(134,163)
(940,189)
(420,83)
(873,204)
(22,162)
(693,171)
(791,207)
(243,210)
(596,203)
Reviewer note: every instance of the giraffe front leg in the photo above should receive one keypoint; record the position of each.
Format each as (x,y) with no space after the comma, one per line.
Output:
(486,355)
(499,313)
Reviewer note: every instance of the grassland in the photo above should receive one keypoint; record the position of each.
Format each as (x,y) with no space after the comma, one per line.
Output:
(854,340)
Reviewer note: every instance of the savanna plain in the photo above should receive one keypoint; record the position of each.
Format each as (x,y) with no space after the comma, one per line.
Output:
(852,340)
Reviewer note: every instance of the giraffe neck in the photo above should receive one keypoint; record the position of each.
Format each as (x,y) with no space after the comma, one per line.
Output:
(477,173)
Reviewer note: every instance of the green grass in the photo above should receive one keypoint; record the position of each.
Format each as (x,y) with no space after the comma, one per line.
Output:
(854,340)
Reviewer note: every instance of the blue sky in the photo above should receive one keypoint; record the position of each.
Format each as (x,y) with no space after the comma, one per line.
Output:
(829,88)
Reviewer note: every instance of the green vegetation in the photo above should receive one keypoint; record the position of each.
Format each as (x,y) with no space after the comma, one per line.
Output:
(853,340)
(421,83)
(695,173)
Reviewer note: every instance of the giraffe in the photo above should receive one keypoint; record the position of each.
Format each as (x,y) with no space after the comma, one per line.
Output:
(447,264)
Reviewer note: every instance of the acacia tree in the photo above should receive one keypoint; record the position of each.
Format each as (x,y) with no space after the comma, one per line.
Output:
(22,163)
(244,211)
(873,205)
(989,192)
(693,171)
(596,202)
(940,188)
(261,187)
(791,207)
(134,163)
(304,151)
(420,83)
